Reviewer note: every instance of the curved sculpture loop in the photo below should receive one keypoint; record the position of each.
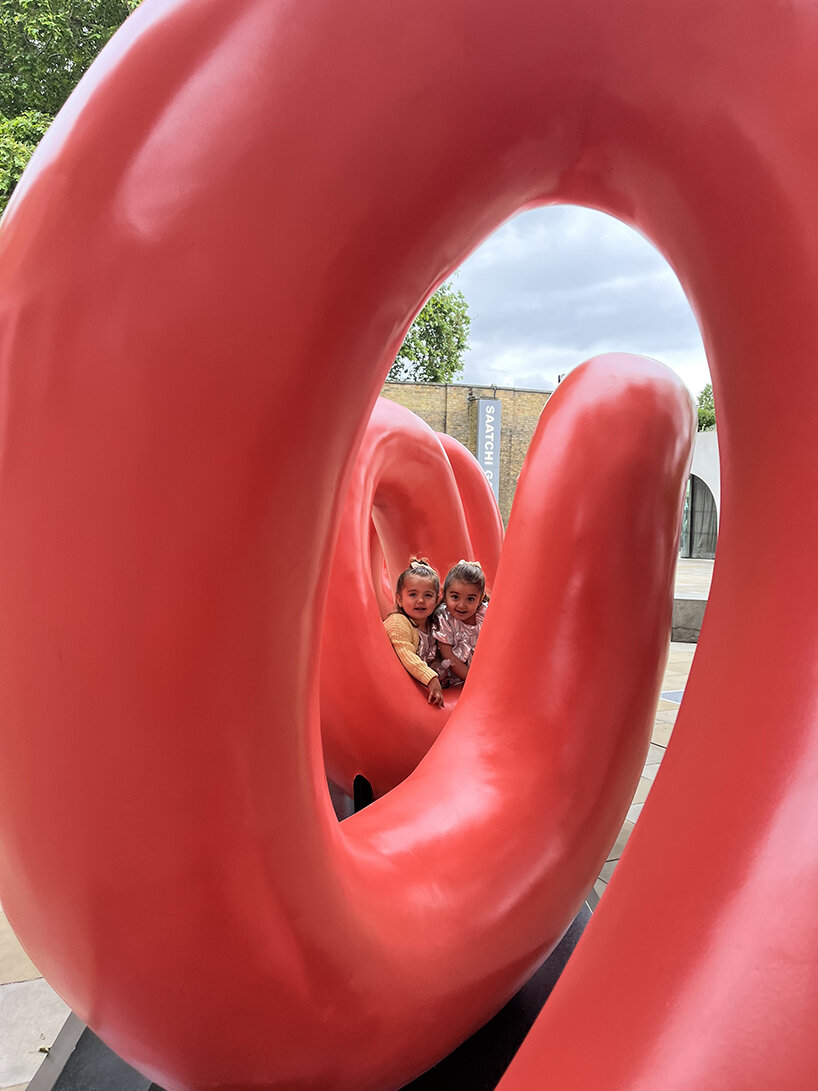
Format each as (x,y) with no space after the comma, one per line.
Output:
(374,718)
(195,287)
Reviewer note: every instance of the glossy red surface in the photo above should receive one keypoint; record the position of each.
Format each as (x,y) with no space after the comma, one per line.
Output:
(203,278)
(402,499)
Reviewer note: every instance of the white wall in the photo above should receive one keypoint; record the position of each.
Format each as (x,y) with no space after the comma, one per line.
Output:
(706,464)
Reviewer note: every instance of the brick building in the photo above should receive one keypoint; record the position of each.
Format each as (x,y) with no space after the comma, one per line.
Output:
(456,410)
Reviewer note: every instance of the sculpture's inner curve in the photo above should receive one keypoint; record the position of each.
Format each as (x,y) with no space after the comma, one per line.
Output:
(146,345)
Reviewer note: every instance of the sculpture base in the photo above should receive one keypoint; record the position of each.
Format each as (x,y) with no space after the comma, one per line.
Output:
(688,615)
(79,1061)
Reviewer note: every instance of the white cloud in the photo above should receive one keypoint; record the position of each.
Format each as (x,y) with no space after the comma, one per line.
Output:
(554,286)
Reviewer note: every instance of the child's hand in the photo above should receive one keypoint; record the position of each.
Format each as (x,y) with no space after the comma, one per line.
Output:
(436,693)
(457,667)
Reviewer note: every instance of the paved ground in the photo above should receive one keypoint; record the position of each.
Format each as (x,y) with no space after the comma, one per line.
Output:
(693,578)
(31,1015)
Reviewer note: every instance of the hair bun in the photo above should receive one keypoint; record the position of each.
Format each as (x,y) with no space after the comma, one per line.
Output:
(419,562)
(476,564)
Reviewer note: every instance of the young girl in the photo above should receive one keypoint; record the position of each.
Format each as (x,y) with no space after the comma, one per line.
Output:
(416,596)
(458,622)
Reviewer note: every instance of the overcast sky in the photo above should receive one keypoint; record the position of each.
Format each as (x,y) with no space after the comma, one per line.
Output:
(557,285)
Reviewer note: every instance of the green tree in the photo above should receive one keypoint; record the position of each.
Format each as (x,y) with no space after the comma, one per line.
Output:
(706,409)
(45,46)
(19,136)
(434,346)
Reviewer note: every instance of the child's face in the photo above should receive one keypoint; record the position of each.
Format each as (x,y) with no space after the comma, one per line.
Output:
(462,600)
(417,598)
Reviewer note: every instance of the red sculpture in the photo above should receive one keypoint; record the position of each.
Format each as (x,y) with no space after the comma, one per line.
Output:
(405,496)
(203,278)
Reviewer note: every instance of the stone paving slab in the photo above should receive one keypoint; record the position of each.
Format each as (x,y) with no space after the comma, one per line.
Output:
(608,870)
(693,577)
(31,1015)
(15,965)
(661,734)
(642,789)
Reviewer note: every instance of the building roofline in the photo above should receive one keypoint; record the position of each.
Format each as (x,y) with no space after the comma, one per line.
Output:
(474,386)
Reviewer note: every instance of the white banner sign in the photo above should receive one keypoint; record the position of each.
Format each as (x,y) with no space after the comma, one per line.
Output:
(488,440)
